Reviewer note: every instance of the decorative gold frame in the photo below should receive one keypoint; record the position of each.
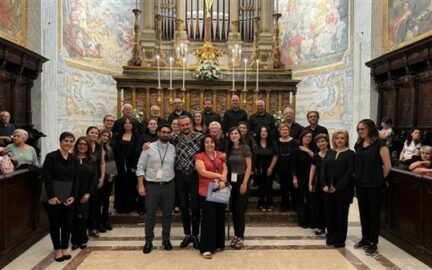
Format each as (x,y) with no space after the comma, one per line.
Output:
(21,37)
(387,45)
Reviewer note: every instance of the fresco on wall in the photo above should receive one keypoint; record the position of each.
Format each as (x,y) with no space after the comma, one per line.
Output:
(406,22)
(97,34)
(13,20)
(84,98)
(315,33)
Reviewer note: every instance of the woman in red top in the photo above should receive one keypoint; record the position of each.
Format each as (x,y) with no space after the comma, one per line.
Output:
(211,168)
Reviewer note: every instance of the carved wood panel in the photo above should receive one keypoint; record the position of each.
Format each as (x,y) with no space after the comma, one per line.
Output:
(427,224)
(424,119)
(388,104)
(405,107)
(19,110)
(5,95)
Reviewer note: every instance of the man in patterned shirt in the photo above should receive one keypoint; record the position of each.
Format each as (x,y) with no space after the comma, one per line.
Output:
(187,144)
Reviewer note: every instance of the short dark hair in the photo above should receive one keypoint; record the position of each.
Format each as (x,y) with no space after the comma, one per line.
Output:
(66,134)
(202,146)
(183,117)
(92,127)
(106,116)
(159,128)
(309,112)
(387,120)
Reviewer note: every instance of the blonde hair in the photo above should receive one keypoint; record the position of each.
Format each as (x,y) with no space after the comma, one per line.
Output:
(426,148)
(337,132)
(215,124)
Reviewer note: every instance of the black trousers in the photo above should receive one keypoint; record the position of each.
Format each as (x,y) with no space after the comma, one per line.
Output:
(265,190)
(369,201)
(337,207)
(126,192)
(162,195)
(60,222)
(79,224)
(317,217)
(93,212)
(105,193)
(187,190)
(212,226)
(301,202)
(286,189)
(238,205)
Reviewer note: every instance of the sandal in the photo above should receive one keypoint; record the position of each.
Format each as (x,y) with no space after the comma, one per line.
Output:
(239,244)
(234,242)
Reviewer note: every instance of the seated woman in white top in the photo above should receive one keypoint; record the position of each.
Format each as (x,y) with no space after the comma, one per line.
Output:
(410,145)
(19,151)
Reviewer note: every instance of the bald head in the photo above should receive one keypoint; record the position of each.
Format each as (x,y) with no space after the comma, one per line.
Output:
(178,105)
(127,110)
(154,111)
(288,114)
(235,102)
(260,106)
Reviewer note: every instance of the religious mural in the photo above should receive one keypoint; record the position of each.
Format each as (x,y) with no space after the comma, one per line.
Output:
(97,34)
(315,33)
(406,22)
(84,98)
(13,20)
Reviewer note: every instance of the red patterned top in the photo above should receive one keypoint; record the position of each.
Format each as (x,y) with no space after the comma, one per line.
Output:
(209,166)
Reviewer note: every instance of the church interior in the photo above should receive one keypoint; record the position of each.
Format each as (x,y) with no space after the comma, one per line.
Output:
(65,65)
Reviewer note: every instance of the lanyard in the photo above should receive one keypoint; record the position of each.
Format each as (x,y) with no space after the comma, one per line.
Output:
(213,161)
(162,158)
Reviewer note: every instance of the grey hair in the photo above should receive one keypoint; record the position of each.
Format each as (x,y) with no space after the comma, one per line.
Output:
(23,133)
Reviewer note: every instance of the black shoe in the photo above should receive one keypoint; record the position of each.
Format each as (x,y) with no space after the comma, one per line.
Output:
(74,247)
(147,247)
(339,245)
(329,242)
(186,241)
(195,242)
(362,244)
(83,246)
(94,233)
(101,228)
(371,250)
(108,226)
(59,259)
(166,244)
(320,232)
(66,257)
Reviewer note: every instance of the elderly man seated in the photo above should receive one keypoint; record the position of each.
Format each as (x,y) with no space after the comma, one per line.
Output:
(6,128)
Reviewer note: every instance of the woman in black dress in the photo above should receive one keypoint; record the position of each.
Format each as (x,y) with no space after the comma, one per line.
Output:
(87,178)
(301,177)
(316,196)
(110,174)
(286,150)
(372,166)
(338,186)
(124,145)
(60,175)
(94,224)
(265,163)
(198,122)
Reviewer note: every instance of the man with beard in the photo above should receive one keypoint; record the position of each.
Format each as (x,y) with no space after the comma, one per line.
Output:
(187,143)
(313,118)
(155,114)
(209,115)
(178,111)
(156,166)
(295,127)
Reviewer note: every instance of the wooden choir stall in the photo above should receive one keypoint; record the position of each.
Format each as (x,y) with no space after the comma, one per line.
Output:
(404,83)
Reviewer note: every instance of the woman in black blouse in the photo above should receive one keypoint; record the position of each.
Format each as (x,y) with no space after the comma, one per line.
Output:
(337,181)
(301,177)
(239,163)
(265,163)
(87,178)
(124,144)
(316,196)
(60,175)
(371,168)
(94,224)
(286,149)
(198,122)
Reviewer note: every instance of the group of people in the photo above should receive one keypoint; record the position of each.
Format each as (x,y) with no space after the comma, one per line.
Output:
(162,161)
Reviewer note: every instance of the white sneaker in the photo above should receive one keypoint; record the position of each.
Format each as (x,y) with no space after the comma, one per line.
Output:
(207,255)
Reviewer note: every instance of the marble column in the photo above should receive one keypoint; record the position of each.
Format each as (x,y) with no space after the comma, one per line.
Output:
(365,97)
(148,35)
(265,42)
(48,79)
(234,15)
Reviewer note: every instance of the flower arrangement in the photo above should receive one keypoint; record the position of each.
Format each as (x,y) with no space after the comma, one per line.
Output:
(138,115)
(208,70)
(279,118)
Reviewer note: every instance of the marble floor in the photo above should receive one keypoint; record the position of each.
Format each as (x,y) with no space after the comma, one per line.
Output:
(266,247)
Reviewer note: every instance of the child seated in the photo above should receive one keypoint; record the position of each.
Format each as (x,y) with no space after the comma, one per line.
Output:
(423,166)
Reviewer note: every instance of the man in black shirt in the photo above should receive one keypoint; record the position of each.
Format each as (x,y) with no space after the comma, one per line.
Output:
(209,115)
(295,127)
(178,111)
(313,118)
(233,116)
(155,114)
(6,128)
(127,114)
(261,118)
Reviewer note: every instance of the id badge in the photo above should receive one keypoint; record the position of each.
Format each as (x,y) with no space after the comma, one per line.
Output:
(159,173)
(234,177)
